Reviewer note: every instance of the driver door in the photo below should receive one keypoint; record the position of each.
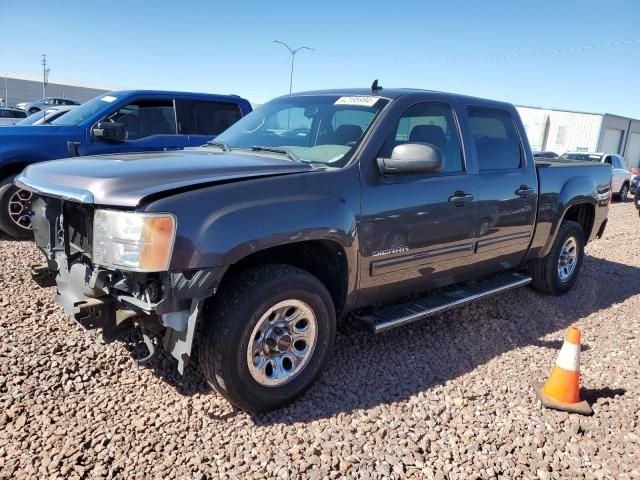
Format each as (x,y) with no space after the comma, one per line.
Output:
(150,125)
(417,231)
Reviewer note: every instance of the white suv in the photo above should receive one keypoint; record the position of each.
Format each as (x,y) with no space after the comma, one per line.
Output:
(621,176)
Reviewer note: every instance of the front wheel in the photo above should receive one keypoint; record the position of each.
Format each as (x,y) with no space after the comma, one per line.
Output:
(267,336)
(557,272)
(15,205)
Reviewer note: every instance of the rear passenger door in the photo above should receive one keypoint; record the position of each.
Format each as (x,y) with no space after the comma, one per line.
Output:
(203,120)
(506,188)
(619,172)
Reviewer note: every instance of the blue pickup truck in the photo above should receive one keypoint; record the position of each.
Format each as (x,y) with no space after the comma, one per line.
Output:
(115,122)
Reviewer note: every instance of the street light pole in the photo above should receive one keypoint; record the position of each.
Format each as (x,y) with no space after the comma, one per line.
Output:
(293,52)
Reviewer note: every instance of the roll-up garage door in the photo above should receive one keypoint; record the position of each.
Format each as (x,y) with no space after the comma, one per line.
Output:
(611,141)
(633,151)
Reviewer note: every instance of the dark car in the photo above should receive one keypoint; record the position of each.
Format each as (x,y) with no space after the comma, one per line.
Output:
(634,186)
(545,154)
(115,122)
(313,206)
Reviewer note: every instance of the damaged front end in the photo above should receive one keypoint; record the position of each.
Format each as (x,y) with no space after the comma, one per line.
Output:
(91,258)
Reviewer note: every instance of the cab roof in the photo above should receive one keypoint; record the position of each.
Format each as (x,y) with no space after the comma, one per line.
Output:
(393,93)
(229,96)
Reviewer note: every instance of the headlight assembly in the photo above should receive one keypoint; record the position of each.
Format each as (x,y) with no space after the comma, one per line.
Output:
(141,242)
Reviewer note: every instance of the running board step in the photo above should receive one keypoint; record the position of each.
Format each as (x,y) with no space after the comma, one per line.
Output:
(398,315)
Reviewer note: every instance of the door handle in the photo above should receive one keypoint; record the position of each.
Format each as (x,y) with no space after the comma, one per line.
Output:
(524,191)
(460,198)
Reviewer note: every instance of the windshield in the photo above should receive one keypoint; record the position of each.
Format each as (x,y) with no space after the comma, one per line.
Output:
(86,110)
(589,157)
(31,119)
(316,129)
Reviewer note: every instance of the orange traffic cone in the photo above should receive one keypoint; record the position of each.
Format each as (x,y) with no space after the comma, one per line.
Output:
(562,390)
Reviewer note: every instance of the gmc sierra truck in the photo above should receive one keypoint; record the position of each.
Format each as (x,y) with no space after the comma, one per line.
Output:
(115,122)
(393,205)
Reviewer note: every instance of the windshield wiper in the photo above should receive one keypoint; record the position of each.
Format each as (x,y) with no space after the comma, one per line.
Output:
(224,146)
(282,150)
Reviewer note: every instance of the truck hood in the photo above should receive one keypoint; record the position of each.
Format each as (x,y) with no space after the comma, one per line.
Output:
(126,180)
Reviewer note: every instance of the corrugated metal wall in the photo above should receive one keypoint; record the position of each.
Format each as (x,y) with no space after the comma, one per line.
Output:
(632,146)
(19,90)
(561,131)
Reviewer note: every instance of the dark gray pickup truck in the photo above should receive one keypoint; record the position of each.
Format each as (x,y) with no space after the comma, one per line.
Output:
(390,204)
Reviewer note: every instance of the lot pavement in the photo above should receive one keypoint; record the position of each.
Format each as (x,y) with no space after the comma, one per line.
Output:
(448,398)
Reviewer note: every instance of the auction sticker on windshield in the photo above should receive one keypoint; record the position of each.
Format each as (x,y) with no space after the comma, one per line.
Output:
(363,101)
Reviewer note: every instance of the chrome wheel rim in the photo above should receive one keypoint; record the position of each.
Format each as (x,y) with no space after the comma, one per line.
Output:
(568,259)
(282,343)
(19,205)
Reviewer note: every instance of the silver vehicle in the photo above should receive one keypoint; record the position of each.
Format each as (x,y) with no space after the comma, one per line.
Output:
(45,117)
(10,116)
(621,176)
(42,104)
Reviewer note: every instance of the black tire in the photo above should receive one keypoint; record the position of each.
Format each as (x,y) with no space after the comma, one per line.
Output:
(229,322)
(7,224)
(623,195)
(544,271)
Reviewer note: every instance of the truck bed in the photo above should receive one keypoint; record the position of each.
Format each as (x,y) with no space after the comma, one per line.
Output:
(562,183)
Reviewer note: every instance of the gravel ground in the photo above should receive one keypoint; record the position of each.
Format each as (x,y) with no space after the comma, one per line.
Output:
(447,398)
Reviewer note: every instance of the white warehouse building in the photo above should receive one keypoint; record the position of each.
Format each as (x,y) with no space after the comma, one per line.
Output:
(563,131)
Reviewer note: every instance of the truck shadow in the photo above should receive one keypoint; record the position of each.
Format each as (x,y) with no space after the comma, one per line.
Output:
(366,370)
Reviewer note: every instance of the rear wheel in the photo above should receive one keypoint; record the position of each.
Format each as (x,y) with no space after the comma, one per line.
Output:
(557,272)
(267,336)
(15,205)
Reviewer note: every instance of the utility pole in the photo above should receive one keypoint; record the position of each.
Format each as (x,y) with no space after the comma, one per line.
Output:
(6,90)
(293,52)
(45,75)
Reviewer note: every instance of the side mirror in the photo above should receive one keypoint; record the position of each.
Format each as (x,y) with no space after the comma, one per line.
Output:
(412,158)
(110,131)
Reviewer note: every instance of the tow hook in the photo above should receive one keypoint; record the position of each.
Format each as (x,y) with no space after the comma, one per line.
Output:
(43,276)
(148,341)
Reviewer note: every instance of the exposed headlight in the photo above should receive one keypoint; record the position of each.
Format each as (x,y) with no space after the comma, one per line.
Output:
(140,242)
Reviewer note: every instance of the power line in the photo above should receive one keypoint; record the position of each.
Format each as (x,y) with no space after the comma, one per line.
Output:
(485,58)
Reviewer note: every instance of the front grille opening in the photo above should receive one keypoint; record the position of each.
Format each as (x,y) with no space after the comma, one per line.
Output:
(78,223)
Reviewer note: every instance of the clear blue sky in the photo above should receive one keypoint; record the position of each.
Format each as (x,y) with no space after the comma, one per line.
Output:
(226,47)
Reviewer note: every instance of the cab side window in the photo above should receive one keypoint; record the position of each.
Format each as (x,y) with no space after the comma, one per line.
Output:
(202,117)
(497,143)
(146,118)
(432,123)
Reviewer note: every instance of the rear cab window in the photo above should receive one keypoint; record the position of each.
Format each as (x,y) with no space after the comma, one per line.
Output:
(496,139)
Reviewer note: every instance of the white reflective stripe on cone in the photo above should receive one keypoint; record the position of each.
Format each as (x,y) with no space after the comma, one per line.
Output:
(569,357)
